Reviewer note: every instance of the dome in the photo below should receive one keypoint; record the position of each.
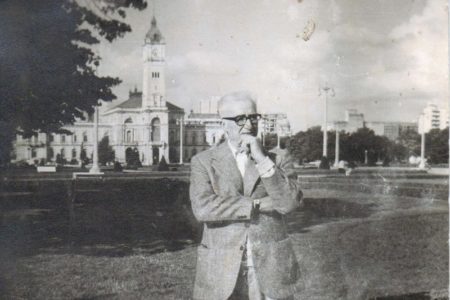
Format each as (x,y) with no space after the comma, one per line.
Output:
(154,35)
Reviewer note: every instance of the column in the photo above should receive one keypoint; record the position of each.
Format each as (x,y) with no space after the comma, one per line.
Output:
(336,154)
(95,168)
(181,141)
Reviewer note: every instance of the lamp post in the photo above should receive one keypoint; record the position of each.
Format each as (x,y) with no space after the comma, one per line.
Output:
(95,168)
(181,140)
(278,136)
(326,89)
(336,154)
(422,142)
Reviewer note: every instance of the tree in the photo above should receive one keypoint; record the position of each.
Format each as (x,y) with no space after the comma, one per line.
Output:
(410,140)
(307,145)
(105,151)
(47,68)
(83,156)
(354,147)
(163,166)
(436,146)
(271,141)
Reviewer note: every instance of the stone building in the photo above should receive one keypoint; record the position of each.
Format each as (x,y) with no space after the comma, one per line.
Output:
(146,122)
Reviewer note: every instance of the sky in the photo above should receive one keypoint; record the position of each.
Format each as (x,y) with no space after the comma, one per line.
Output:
(385,58)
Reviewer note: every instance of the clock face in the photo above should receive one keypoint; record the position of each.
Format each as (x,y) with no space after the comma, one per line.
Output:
(154,53)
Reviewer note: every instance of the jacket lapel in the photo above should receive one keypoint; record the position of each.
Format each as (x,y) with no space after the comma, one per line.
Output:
(224,164)
(251,177)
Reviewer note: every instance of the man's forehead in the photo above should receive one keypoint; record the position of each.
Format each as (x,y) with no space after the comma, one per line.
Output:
(234,105)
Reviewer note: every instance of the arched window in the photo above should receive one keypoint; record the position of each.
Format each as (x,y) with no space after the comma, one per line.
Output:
(156,130)
(129,136)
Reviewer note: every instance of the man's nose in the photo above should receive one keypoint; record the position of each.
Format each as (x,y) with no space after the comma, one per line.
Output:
(248,124)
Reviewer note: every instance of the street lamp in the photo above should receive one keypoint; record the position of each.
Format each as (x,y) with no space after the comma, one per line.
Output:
(422,143)
(327,90)
(336,154)
(180,121)
(95,169)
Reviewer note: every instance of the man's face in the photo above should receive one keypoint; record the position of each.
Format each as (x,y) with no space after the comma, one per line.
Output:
(233,130)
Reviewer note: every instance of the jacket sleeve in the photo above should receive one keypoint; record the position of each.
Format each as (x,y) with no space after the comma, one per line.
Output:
(210,207)
(282,186)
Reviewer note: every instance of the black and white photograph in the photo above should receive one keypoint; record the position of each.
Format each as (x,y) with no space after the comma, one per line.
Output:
(224,150)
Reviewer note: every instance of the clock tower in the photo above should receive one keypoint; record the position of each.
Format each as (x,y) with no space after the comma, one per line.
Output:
(153,87)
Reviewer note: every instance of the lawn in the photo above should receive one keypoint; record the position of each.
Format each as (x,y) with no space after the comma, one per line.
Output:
(350,245)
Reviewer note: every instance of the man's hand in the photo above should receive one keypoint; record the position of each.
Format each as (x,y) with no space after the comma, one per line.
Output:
(254,145)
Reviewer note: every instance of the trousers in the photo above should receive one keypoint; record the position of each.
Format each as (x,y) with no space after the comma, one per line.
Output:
(247,287)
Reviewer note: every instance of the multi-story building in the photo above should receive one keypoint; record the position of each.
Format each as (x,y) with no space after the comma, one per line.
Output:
(145,123)
(391,130)
(202,129)
(352,122)
(433,117)
(276,123)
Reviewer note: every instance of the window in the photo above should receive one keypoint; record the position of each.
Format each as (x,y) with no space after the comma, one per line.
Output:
(50,153)
(156,130)
(63,153)
(74,153)
(85,138)
(63,138)
(33,152)
(129,136)
(51,137)
(74,138)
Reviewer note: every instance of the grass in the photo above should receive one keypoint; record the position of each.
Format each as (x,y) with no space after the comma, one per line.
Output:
(351,245)
(68,276)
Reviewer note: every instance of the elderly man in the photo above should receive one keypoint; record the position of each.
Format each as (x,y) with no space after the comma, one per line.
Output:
(241,194)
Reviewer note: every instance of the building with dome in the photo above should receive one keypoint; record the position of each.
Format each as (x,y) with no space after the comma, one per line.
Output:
(146,123)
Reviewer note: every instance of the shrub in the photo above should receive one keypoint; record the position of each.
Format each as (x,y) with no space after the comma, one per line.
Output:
(163,166)
(324,163)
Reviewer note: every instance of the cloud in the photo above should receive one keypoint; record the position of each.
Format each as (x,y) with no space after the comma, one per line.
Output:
(372,55)
(208,62)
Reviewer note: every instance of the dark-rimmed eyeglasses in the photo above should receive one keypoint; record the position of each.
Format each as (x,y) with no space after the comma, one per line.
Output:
(242,119)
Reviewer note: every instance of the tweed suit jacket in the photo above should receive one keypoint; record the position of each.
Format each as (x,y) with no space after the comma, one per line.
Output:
(223,201)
